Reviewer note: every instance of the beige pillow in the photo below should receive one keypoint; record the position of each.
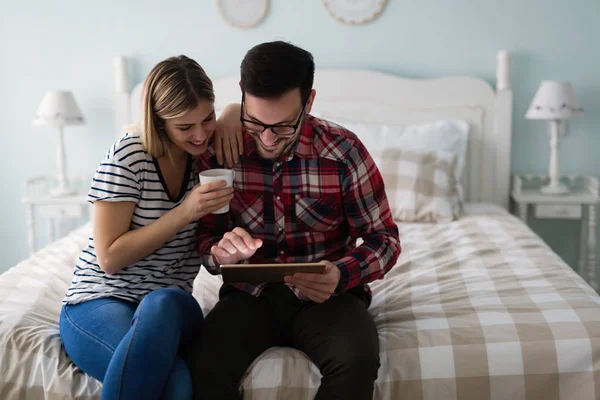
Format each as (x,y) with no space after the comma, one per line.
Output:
(420,186)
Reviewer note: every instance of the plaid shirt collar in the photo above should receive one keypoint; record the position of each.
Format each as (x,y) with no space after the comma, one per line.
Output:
(303,147)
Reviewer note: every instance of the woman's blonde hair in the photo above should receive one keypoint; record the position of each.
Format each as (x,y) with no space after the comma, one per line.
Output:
(173,87)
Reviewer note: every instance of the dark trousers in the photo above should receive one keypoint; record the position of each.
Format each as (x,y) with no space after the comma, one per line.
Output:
(339,336)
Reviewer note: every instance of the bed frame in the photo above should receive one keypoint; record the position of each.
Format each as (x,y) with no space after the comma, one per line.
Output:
(370,96)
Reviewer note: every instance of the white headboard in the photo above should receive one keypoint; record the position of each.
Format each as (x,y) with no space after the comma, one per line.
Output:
(369,96)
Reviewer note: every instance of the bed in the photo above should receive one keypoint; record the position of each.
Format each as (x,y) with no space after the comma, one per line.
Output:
(478,307)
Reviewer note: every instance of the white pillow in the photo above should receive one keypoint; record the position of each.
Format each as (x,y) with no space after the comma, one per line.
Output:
(443,136)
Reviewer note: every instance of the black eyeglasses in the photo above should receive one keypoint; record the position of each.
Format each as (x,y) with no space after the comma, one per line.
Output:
(256,127)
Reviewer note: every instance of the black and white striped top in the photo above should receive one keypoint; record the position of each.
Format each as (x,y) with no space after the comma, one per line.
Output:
(129,173)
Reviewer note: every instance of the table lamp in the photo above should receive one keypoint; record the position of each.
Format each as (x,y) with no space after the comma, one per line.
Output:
(58,108)
(555,102)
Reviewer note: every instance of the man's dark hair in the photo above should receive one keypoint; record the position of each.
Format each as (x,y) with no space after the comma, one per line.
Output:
(270,69)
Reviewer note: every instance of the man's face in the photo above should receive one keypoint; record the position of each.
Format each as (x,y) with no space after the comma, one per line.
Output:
(285,111)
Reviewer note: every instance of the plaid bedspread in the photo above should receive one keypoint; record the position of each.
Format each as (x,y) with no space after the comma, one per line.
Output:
(479,308)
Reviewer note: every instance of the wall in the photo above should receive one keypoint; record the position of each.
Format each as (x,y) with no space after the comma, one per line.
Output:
(70,45)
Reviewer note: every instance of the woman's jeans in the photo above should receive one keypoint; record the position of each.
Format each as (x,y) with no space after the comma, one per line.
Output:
(133,348)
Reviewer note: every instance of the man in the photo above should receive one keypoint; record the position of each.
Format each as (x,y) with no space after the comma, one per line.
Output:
(305,190)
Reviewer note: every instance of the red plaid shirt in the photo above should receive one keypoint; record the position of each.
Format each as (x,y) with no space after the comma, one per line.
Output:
(310,205)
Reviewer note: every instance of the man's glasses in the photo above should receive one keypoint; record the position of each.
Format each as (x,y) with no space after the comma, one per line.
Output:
(256,127)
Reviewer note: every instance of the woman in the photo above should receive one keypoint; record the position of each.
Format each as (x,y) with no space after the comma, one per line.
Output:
(129,308)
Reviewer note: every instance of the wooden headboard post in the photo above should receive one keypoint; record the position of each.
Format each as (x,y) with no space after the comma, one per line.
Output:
(122,95)
(502,130)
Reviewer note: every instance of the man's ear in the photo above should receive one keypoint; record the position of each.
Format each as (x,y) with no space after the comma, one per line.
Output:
(311,99)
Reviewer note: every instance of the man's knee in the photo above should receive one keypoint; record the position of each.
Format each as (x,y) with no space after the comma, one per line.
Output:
(353,358)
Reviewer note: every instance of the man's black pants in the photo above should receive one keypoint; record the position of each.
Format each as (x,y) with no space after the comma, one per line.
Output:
(338,335)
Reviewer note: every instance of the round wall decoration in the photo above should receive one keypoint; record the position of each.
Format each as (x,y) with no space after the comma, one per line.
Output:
(243,14)
(354,12)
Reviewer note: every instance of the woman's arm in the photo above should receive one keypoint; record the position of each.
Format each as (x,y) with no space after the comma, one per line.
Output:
(229,140)
(117,246)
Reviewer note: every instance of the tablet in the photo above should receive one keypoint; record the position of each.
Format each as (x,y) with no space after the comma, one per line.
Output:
(266,273)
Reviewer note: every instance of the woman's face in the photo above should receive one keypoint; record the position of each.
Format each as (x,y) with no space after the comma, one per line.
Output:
(193,130)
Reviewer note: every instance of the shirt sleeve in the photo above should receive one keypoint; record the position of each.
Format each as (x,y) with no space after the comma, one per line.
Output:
(369,217)
(115,179)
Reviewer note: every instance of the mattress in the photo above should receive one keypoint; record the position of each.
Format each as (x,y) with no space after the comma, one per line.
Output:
(479,308)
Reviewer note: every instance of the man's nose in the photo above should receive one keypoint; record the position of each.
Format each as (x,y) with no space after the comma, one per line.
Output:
(268,137)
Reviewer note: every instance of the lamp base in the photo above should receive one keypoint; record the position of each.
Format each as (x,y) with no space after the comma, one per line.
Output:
(555,189)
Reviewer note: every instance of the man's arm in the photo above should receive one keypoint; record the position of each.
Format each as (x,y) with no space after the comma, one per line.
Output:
(369,217)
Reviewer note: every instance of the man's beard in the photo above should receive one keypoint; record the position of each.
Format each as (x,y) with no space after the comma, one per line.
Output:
(273,155)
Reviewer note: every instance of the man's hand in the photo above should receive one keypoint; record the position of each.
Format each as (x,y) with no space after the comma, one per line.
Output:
(235,246)
(229,140)
(317,287)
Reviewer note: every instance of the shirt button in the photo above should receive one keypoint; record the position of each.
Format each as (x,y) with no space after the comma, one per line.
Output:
(282,252)
(278,198)
(280,229)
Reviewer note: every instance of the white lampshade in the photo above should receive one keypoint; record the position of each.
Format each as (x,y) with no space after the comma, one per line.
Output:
(554,100)
(58,108)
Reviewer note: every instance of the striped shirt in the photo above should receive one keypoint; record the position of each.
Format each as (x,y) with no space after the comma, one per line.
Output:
(310,205)
(129,173)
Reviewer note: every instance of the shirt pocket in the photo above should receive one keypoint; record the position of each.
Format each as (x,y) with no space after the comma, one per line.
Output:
(318,214)
(248,211)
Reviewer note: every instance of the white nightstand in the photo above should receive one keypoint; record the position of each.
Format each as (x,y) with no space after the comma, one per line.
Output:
(38,200)
(579,204)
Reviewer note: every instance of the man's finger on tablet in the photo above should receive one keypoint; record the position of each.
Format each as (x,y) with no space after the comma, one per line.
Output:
(239,244)
(237,241)
(246,237)
(226,245)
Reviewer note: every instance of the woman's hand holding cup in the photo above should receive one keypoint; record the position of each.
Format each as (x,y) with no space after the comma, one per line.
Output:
(207,198)
(219,174)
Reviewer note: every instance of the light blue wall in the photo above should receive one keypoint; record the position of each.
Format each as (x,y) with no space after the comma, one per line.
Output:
(70,45)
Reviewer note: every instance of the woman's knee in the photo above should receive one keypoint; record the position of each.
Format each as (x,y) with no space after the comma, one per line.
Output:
(171,300)
(173,306)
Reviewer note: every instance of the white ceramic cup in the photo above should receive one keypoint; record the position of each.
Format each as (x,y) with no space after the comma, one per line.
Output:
(212,175)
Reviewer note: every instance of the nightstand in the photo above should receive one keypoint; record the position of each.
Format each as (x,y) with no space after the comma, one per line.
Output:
(57,209)
(579,204)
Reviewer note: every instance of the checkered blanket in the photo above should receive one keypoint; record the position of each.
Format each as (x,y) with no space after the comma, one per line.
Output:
(479,308)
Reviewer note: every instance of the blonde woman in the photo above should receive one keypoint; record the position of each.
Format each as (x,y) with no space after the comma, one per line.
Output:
(129,309)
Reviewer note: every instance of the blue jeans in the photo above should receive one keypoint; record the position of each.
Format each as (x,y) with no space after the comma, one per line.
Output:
(133,348)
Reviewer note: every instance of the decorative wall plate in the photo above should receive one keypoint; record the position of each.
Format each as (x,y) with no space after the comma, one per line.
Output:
(243,14)
(354,12)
